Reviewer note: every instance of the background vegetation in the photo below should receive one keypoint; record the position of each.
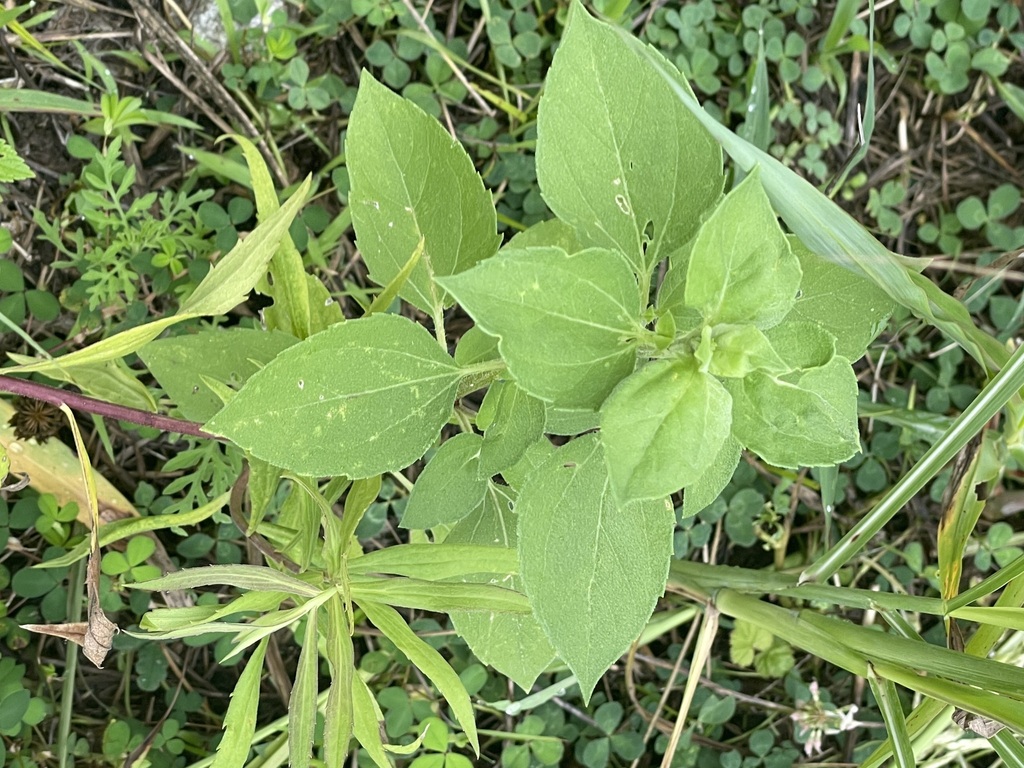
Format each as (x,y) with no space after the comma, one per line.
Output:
(133,199)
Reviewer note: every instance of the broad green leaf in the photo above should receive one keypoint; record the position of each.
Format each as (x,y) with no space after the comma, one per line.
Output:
(805,418)
(566,323)
(570,421)
(617,157)
(706,488)
(475,346)
(733,351)
(229,281)
(450,487)
(428,661)
(363,397)
(741,268)
(256,577)
(844,304)
(411,180)
(835,235)
(517,421)
(662,427)
(553,232)
(229,355)
(512,643)
(448,560)
(437,596)
(592,568)
(302,702)
(532,458)
(802,344)
(240,720)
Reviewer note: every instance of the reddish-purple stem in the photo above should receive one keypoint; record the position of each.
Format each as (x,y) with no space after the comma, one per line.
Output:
(85,404)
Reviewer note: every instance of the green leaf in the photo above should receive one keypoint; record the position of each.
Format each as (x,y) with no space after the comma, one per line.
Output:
(847,306)
(12,167)
(618,157)
(450,487)
(706,488)
(553,232)
(733,351)
(454,558)
(805,418)
(517,422)
(368,723)
(512,643)
(437,596)
(256,577)
(302,702)
(363,397)
(229,281)
(745,640)
(411,180)
(292,311)
(802,344)
(240,720)
(565,323)
(662,427)
(339,715)
(429,661)
(592,568)
(741,268)
(230,356)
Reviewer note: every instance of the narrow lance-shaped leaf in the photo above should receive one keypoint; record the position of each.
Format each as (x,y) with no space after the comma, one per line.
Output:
(302,702)
(429,661)
(662,427)
(410,182)
(240,720)
(566,323)
(617,157)
(363,397)
(593,568)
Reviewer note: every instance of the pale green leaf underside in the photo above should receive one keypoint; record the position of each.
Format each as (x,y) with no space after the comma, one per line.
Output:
(806,418)
(592,568)
(565,323)
(662,427)
(616,152)
(518,421)
(512,643)
(741,268)
(363,397)
(410,179)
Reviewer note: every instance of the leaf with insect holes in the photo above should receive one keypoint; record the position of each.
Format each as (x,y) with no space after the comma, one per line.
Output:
(363,397)
(411,180)
(566,323)
(618,157)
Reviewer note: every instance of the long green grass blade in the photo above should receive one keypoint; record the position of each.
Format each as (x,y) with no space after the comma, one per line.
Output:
(892,713)
(986,405)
